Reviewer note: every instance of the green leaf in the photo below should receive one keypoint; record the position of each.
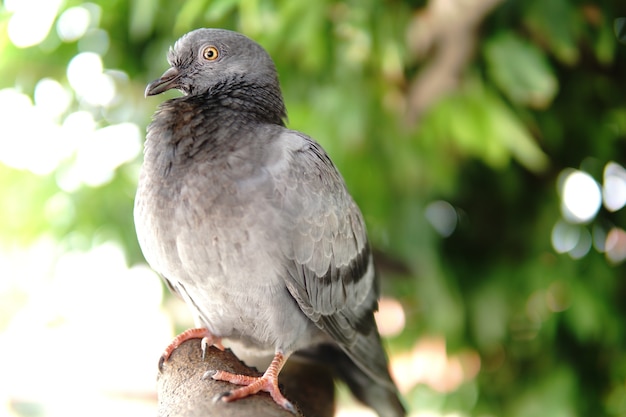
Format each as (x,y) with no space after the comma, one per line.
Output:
(187,16)
(511,132)
(219,8)
(480,124)
(604,45)
(558,25)
(142,17)
(521,70)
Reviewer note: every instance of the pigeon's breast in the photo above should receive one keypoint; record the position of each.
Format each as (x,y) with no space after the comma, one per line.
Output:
(213,229)
(198,189)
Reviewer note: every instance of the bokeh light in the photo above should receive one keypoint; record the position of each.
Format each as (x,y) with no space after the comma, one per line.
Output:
(31,20)
(442,216)
(581,199)
(581,196)
(390,317)
(95,40)
(616,245)
(85,75)
(614,187)
(27,127)
(572,239)
(72,314)
(73,23)
(51,97)
(103,151)
(429,363)
(565,236)
(82,317)
(558,297)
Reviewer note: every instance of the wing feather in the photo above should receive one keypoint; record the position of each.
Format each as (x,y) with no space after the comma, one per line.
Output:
(330,271)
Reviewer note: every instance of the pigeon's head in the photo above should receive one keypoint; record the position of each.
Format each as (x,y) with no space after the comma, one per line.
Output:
(205,58)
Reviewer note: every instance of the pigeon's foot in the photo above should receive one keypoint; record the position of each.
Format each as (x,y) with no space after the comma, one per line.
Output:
(197,333)
(268,383)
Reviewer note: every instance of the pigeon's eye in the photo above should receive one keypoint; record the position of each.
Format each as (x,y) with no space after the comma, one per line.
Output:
(210,53)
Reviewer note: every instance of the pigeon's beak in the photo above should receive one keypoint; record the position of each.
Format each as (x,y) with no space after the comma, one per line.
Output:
(168,80)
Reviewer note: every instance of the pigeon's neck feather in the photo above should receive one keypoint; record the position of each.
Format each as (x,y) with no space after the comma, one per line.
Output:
(260,100)
(208,126)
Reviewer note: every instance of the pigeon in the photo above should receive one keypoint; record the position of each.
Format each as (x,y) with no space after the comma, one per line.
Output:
(251,224)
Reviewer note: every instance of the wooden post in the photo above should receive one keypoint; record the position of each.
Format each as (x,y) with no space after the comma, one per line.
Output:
(183,393)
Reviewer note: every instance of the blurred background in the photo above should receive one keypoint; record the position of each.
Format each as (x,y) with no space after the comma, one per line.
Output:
(484,140)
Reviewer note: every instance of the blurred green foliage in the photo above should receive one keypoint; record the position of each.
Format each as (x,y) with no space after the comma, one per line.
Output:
(538,87)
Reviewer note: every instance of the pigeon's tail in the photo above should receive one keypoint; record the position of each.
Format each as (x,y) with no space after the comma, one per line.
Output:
(383,398)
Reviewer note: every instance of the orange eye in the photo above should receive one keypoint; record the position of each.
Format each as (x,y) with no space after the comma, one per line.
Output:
(210,53)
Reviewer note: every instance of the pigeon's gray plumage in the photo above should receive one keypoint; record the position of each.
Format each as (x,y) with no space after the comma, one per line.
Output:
(251,223)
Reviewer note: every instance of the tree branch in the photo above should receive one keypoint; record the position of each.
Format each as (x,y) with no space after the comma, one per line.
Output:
(448,30)
(183,393)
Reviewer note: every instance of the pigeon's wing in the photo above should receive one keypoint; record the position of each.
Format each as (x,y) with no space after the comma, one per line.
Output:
(330,270)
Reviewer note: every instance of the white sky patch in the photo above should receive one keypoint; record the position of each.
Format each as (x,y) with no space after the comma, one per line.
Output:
(31,20)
